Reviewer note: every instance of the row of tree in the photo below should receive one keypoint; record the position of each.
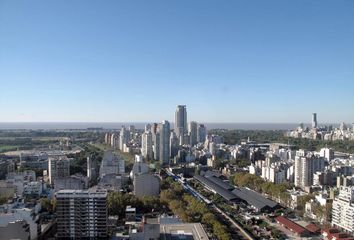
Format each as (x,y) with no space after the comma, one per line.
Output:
(232,137)
(275,191)
(118,201)
(346,146)
(174,198)
(190,209)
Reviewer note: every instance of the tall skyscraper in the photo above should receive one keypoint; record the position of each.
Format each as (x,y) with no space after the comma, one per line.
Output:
(123,138)
(146,145)
(107,138)
(154,128)
(164,129)
(114,140)
(82,214)
(192,132)
(314,120)
(181,121)
(92,169)
(173,144)
(148,127)
(201,133)
(156,142)
(132,132)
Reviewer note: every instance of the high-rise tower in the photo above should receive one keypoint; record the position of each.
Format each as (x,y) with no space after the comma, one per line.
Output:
(146,145)
(314,120)
(181,120)
(201,133)
(193,132)
(164,130)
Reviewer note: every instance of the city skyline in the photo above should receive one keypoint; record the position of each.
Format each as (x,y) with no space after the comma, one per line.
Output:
(268,62)
(179,119)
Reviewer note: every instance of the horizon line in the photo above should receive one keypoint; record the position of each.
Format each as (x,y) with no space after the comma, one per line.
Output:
(169,121)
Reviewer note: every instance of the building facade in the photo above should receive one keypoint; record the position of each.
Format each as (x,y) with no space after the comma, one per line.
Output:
(58,168)
(146,185)
(201,133)
(146,145)
(314,120)
(82,214)
(193,132)
(164,129)
(305,167)
(343,210)
(181,120)
(123,138)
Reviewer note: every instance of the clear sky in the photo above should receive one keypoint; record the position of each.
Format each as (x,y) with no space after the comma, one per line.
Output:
(228,61)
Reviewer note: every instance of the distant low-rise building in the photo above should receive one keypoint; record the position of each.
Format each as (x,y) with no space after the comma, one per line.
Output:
(34,189)
(20,213)
(112,164)
(58,167)
(15,230)
(183,231)
(146,185)
(293,227)
(73,182)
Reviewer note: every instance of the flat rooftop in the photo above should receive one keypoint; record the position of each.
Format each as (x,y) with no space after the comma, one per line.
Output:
(185,231)
(81,193)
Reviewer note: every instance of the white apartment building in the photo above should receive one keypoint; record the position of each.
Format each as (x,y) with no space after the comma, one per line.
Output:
(274,174)
(343,209)
(146,145)
(146,185)
(327,153)
(33,189)
(305,167)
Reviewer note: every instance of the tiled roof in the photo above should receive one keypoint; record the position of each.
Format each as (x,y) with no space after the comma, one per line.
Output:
(290,225)
(313,228)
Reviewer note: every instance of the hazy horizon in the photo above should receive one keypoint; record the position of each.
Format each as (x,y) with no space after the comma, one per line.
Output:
(140,125)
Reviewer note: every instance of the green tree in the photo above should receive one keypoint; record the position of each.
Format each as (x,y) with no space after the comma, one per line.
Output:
(48,205)
(117,203)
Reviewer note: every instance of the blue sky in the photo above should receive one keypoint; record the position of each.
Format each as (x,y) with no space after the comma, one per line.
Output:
(228,61)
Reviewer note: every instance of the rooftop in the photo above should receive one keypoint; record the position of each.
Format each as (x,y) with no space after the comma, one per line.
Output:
(15,230)
(291,225)
(81,193)
(187,231)
(219,190)
(313,228)
(254,198)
